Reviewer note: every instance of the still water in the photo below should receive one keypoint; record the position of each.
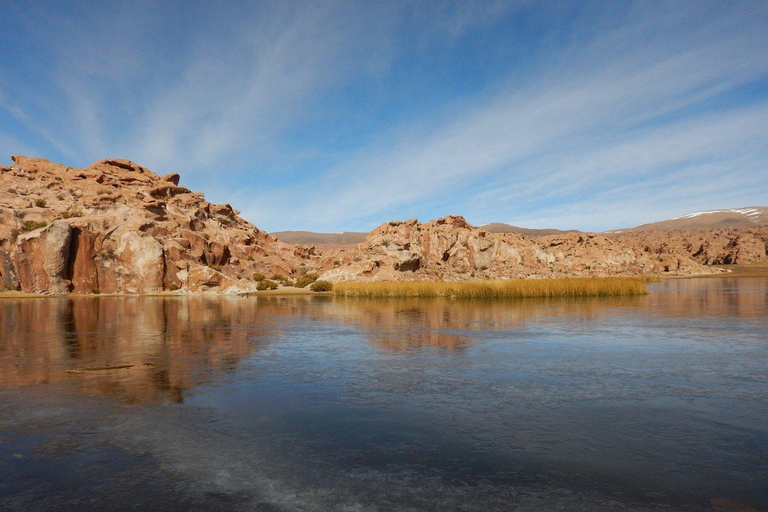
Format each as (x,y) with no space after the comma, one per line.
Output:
(273,403)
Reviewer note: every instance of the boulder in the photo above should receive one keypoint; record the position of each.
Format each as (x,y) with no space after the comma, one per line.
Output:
(171,177)
(203,279)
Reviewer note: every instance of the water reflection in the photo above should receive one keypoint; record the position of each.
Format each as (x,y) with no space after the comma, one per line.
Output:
(745,298)
(139,349)
(318,403)
(154,348)
(408,324)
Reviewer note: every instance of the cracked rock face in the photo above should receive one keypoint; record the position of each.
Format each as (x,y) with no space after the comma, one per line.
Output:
(117,227)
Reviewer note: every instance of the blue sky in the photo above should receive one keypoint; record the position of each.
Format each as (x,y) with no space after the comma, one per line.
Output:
(334,116)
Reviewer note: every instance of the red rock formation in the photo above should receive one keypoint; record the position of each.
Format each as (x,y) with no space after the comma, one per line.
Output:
(452,249)
(117,227)
(710,247)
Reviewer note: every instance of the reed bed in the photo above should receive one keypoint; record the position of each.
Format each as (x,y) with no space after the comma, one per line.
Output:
(502,289)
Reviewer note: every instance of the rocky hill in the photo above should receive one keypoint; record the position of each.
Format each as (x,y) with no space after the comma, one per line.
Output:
(727,246)
(116,227)
(452,249)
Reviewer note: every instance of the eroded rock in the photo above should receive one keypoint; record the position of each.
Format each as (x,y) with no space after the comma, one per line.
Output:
(452,249)
(117,227)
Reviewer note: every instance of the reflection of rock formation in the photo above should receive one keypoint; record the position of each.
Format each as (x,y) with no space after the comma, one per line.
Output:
(177,343)
(171,343)
(407,324)
(739,297)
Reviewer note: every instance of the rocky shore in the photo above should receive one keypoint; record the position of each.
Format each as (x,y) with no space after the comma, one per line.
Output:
(117,227)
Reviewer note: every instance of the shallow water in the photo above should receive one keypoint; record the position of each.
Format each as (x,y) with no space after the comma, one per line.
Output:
(657,402)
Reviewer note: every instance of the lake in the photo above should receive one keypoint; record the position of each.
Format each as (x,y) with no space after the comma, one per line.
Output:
(656,402)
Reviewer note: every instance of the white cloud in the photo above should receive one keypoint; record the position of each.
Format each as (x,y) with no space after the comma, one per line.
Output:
(609,105)
(608,115)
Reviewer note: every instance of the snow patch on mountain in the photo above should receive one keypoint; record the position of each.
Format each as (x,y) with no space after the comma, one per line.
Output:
(749,211)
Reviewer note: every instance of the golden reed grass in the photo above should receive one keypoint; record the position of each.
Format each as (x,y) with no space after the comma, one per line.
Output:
(504,289)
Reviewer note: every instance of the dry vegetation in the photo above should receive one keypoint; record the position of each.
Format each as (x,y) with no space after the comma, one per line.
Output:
(744,270)
(515,288)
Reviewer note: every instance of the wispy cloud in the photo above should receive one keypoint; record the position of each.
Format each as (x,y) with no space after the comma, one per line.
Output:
(571,134)
(337,116)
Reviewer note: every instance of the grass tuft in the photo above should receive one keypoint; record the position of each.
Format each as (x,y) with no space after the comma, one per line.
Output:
(266,284)
(31,225)
(503,289)
(321,286)
(306,279)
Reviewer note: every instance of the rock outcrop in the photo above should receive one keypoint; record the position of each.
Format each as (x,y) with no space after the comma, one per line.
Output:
(451,249)
(709,247)
(117,227)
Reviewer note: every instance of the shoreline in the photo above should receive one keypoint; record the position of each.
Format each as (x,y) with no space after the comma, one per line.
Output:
(15,294)
(740,271)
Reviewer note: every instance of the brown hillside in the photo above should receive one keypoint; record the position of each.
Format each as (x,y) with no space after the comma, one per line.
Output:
(749,216)
(500,227)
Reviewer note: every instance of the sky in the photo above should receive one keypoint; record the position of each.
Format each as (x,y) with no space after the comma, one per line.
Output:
(338,116)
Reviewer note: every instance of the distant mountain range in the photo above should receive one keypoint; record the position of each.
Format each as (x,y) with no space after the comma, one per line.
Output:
(711,219)
(353,237)
(500,227)
(311,238)
(708,219)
